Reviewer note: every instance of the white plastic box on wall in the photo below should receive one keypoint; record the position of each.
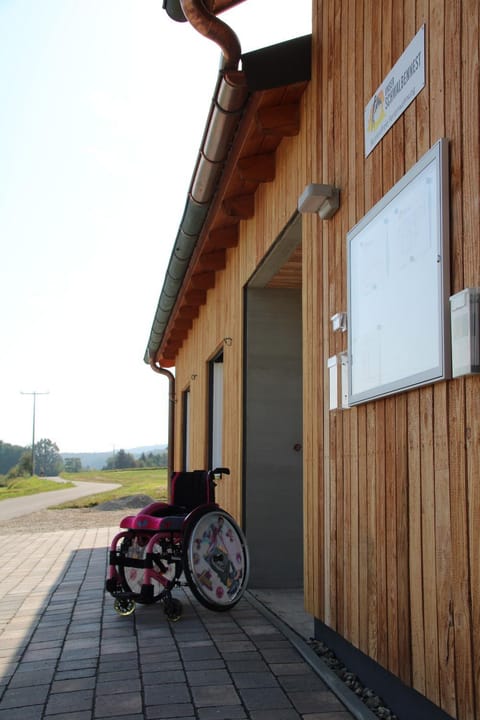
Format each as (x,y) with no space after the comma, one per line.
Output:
(338,380)
(465,319)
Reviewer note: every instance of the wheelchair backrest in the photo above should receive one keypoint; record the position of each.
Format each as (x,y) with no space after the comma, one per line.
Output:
(191,489)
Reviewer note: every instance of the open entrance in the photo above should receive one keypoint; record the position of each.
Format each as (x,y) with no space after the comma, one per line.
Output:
(273,500)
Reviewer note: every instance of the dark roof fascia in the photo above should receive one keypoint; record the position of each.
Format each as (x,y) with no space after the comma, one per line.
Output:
(278,65)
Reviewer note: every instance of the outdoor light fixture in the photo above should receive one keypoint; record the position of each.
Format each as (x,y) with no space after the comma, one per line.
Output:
(321,199)
(339,322)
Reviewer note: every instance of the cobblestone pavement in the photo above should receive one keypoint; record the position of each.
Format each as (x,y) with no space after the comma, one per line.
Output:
(65,653)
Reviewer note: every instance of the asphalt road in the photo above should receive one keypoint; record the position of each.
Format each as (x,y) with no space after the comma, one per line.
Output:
(15,507)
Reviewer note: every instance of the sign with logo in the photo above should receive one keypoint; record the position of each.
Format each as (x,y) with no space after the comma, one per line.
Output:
(396,92)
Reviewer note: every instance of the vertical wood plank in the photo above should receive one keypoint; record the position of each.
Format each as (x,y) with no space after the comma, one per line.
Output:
(428,548)
(415,543)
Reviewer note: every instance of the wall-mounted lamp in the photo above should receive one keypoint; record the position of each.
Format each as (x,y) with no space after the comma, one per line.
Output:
(321,199)
(193,376)
(227,341)
(339,322)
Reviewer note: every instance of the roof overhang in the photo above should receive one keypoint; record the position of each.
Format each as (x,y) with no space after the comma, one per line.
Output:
(252,111)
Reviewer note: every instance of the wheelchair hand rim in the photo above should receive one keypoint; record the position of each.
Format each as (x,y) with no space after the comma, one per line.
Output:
(216,560)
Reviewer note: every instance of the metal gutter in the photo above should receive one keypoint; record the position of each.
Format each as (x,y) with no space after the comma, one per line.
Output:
(226,109)
(228,101)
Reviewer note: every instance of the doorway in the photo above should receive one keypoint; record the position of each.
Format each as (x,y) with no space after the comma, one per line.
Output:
(273,489)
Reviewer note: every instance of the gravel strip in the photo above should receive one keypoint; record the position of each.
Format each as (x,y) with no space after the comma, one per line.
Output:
(69,519)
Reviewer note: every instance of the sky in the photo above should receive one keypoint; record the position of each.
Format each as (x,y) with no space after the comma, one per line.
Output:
(98,144)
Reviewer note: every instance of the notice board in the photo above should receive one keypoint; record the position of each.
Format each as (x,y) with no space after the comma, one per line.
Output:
(398,285)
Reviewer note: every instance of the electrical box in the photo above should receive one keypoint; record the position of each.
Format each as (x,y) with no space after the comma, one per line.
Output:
(338,380)
(465,319)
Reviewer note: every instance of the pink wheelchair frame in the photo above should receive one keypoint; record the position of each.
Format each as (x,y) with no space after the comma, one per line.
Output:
(190,541)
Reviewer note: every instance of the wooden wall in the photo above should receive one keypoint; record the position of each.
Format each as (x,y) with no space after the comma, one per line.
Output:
(392,487)
(222,317)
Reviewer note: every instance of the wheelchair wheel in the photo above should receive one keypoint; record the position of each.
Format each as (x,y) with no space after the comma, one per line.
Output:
(124,606)
(216,562)
(134,548)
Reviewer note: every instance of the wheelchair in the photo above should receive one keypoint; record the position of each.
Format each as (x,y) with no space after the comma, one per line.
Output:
(190,541)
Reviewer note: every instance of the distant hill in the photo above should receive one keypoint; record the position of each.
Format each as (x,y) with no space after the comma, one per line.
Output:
(98,460)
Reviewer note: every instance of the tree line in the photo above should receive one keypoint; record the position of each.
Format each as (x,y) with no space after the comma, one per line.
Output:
(16,461)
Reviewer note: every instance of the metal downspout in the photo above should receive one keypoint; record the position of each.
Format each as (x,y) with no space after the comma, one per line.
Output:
(207,24)
(171,416)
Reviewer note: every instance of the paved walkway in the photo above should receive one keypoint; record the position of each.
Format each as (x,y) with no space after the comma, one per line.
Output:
(65,653)
(15,507)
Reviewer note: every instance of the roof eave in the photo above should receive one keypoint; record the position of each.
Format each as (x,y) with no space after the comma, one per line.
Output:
(279,66)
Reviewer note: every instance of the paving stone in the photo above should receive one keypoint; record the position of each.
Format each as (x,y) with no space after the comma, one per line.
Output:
(69,702)
(116,687)
(178,711)
(237,646)
(200,665)
(285,714)
(32,678)
(168,694)
(319,701)
(38,656)
(200,653)
(68,685)
(73,674)
(120,675)
(114,706)
(245,656)
(163,677)
(239,666)
(306,681)
(295,668)
(23,697)
(234,712)
(265,698)
(207,676)
(254,680)
(215,695)
(280,655)
(34,712)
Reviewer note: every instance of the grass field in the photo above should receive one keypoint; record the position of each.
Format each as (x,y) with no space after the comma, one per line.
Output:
(19,487)
(145,481)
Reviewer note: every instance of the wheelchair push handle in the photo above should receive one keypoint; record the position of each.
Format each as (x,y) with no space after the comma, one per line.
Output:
(219,471)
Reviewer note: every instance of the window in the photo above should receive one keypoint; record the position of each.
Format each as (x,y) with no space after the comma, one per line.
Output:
(186,429)
(216,411)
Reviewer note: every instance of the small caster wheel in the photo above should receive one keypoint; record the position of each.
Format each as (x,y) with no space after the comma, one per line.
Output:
(124,606)
(173,610)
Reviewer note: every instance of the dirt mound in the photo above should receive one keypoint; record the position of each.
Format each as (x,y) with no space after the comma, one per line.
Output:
(129,501)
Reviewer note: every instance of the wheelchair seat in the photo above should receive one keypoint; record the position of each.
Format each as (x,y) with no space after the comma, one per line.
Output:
(189,490)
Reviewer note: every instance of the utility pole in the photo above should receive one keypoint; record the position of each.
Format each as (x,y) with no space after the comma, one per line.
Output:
(33,430)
